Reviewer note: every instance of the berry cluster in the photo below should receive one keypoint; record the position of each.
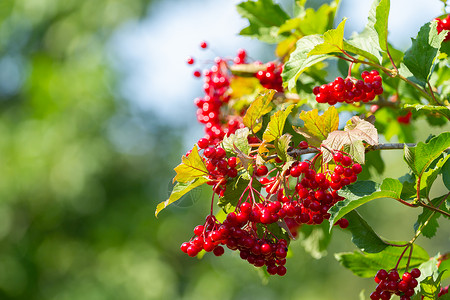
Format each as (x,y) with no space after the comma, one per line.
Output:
(239,232)
(271,77)
(220,167)
(350,90)
(444,24)
(391,283)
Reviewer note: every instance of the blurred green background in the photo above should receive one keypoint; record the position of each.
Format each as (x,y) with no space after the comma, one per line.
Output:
(82,170)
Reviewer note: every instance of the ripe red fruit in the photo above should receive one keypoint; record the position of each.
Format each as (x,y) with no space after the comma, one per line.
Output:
(203,45)
(356,168)
(415,273)
(261,171)
(382,274)
(190,60)
(303,145)
(218,251)
(202,143)
(232,162)
(197,73)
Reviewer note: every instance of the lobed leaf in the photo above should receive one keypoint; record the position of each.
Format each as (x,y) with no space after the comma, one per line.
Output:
(352,136)
(179,190)
(381,22)
(265,18)
(237,140)
(191,167)
(367,264)
(282,146)
(299,59)
(430,287)
(275,127)
(316,128)
(362,192)
(421,56)
(333,41)
(259,107)
(420,157)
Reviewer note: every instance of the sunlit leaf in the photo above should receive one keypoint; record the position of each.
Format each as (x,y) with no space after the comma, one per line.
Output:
(192,167)
(316,128)
(259,107)
(333,41)
(275,127)
(179,190)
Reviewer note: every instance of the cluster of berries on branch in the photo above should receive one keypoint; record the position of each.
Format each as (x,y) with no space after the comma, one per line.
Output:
(270,78)
(350,90)
(391,283)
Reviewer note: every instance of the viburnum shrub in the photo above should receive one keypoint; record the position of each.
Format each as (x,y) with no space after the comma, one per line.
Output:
(280,171)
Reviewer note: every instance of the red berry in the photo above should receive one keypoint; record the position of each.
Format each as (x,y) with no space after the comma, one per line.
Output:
(261,171)
(382,274)
(346,161)
(218,251)
(190,60)
(415,273)
(197,73)
(203,45)
(393,275)
(303,145)
(356,168)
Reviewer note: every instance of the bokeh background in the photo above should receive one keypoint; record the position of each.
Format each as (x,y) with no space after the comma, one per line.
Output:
(96,111)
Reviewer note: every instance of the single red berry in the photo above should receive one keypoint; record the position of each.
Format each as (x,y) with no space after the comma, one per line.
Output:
(197,73)
(343,223)
(415,273)
(303,145)
(218,251)
(281,270)
(190,60)
(261,171)
(203,45)
(232,162)
(202,143)
(393,275)
(184,247)
(382,274)
(198,230)
(346,161)
(356,168)
(375,296)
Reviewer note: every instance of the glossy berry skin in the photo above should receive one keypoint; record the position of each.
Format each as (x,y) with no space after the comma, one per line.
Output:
(415,273)
(190,60)
(203,45)
(261,171)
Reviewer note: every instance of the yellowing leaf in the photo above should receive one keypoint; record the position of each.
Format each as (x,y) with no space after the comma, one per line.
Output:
(317,128)
(351,139)
(191,167)
(179,190)
(257,109)
(241,86)
(276,125)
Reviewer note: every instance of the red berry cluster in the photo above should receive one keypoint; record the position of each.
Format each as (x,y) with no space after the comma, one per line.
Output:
(444,24)
(271,77)
(314,193)
(217,83)
(391,283)
(239,232)
(350,90)
(220,167)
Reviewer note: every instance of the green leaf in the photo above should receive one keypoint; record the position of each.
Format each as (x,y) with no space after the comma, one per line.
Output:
(234,189)
(367,264)
(430,176)
(282,145)
(421,57)
(381,21)
(257,109)
(446,174)
(363,236)
(356,131)
(316,128)
(429,287)
(362,192)
(299,60)
(237,140)
(315,239)
(364,45)
(179,190)
(275,127)
(429,229)
(430,109)
(333,41)
(419,158)
(265,18)
(191,167)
